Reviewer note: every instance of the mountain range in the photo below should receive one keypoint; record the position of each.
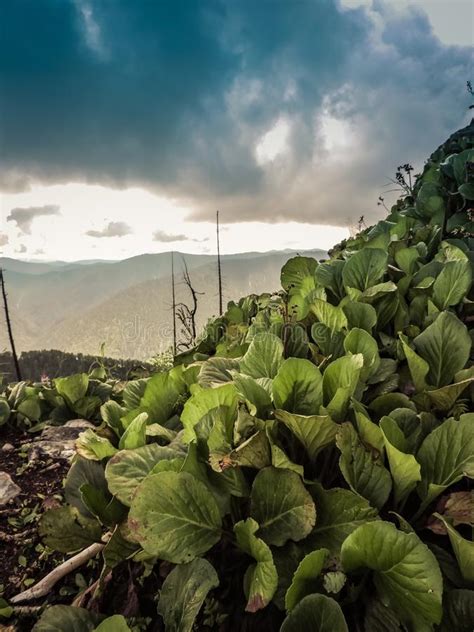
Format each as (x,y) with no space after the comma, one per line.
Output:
(125,304)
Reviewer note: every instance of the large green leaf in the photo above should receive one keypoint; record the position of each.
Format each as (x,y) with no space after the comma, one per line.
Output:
(160,396)
(340,512)
(282,506)
(254,391)
(72,388)
(91,446)
(405,469)
(305,578)
(331,316)
(126,470)
(315,432)
(419,368)
(296,270)
(360,341)
(298,387)
(363,470)
(66,618)
(183,593)
(452,284)
(340,380)
(329,275)
(174,516)
(135,433)
(4,411)
(203,401)
(365,268)
(315,613)
(406,573)
(116,623)
(64,529)
(261,578)
(446,455)
(463,549)
(445,345)
(264,356)
(361,315)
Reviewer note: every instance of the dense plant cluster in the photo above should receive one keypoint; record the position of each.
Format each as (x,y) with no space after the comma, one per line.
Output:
(307,466)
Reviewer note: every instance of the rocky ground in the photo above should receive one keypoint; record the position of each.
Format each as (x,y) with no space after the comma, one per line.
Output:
(32,469)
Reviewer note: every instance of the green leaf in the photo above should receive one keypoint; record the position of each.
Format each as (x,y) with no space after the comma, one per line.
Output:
(281,460)
(467,190)
(445,345)
(365,268)
(305,578)
(340,512)
(127,469)
(91,446)
(4,411)
(315,613)
(217,371)
(298,387)
(6,611)
(72,388)
(253,391)
(379,617)
(333,317)
(458,611)
(116,623)
(340,380)
(361,315)
(83,472)
(406,573)
(65,530)
(261,578)
(133,393)
(369,432)
(62,618)
(445,397)
(445,456)
(223,399)
(405,469)
(112,413)
(419,368)
(183,593)
(359,341)
(135,433)
(329,275)
(362,469)
(315,432)
(254,452)
(159,398)
(174,517)
(107,509)
(452,284)
(264,356)
(296,270)
(282,506)
(463,550)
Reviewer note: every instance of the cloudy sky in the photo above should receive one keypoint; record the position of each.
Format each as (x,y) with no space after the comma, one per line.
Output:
(125,124)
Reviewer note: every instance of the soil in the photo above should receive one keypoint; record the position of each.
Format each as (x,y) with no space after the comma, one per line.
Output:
(23,558)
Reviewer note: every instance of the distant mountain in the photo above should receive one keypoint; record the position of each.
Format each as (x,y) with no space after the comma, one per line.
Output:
(126,304)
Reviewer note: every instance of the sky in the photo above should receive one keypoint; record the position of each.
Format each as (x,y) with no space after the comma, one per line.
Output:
(125,125)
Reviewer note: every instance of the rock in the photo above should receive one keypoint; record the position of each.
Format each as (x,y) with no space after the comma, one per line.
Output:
(7,447)
(58,442)
(8,488)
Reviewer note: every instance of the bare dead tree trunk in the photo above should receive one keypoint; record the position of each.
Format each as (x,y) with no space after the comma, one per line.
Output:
(9,328)
(187,314)
(219,270)
(174,303)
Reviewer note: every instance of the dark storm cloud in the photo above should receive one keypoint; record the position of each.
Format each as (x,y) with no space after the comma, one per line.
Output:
(113,229)
(23,217)
(175,96)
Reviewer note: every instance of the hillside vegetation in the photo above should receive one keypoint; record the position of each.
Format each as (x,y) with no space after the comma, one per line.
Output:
(306,467)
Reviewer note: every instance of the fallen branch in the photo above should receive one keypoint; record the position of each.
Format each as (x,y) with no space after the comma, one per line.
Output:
(44,586)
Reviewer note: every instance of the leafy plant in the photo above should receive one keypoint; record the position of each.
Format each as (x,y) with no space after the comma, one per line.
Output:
(291,467)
